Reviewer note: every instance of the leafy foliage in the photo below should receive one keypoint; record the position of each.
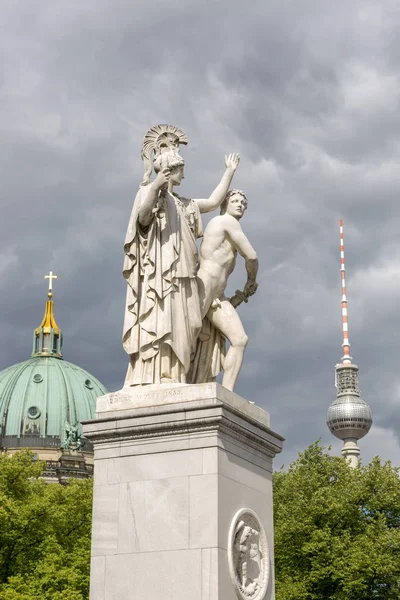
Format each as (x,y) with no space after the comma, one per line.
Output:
(337,529)
(44,533)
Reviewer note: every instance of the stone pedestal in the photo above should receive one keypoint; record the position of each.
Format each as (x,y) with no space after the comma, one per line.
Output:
(173,466)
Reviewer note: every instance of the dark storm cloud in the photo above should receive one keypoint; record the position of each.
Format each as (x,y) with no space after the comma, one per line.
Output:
(307,92)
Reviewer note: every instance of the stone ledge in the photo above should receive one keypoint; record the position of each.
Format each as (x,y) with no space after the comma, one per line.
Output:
(202,409)
(166,395)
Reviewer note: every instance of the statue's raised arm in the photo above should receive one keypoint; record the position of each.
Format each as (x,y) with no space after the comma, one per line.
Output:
(218,195)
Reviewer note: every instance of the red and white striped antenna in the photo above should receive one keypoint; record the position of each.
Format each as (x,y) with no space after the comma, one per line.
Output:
(345,326)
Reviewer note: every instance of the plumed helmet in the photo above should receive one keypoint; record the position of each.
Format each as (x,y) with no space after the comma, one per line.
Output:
(158,140)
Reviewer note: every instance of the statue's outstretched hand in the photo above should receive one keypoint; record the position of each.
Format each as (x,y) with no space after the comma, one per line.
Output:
(250,288)
(232,161)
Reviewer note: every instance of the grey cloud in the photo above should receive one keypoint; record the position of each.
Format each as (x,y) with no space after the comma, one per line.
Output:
(307,93)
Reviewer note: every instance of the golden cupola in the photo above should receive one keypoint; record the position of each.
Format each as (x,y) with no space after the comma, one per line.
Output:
(47,338)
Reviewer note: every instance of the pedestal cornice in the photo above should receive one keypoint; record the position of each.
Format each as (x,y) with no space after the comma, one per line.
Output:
(139,414)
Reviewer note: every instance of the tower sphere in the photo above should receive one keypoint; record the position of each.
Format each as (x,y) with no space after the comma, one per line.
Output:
(349,417)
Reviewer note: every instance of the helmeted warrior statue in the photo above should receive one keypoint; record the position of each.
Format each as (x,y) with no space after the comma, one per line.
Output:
(162,312)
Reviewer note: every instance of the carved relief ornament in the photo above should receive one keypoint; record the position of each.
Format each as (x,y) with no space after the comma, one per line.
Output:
(248,555)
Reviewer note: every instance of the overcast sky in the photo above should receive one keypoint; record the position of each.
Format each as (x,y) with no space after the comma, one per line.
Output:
(307,92)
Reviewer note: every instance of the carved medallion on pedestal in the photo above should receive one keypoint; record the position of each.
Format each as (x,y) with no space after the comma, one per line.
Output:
(248,555)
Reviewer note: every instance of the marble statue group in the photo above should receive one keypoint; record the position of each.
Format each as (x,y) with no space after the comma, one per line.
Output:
(177,317)
(200,456)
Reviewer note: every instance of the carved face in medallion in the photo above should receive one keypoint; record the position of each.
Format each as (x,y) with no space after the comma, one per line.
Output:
(248,556)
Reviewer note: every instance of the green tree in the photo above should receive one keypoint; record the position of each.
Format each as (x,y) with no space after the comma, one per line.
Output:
(337,529)
(44,533)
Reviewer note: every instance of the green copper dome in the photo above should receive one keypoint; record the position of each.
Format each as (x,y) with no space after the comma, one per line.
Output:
(44,399)
(41,398)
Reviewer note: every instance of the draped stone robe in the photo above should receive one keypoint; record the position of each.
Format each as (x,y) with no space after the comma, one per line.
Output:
(162,311)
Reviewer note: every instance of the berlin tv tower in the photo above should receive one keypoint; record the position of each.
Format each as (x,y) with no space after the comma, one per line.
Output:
(349,417)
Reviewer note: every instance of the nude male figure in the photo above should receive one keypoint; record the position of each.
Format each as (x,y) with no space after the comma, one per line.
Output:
(223,239)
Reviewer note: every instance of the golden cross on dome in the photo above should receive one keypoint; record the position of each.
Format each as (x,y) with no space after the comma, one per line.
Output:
(50,277)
